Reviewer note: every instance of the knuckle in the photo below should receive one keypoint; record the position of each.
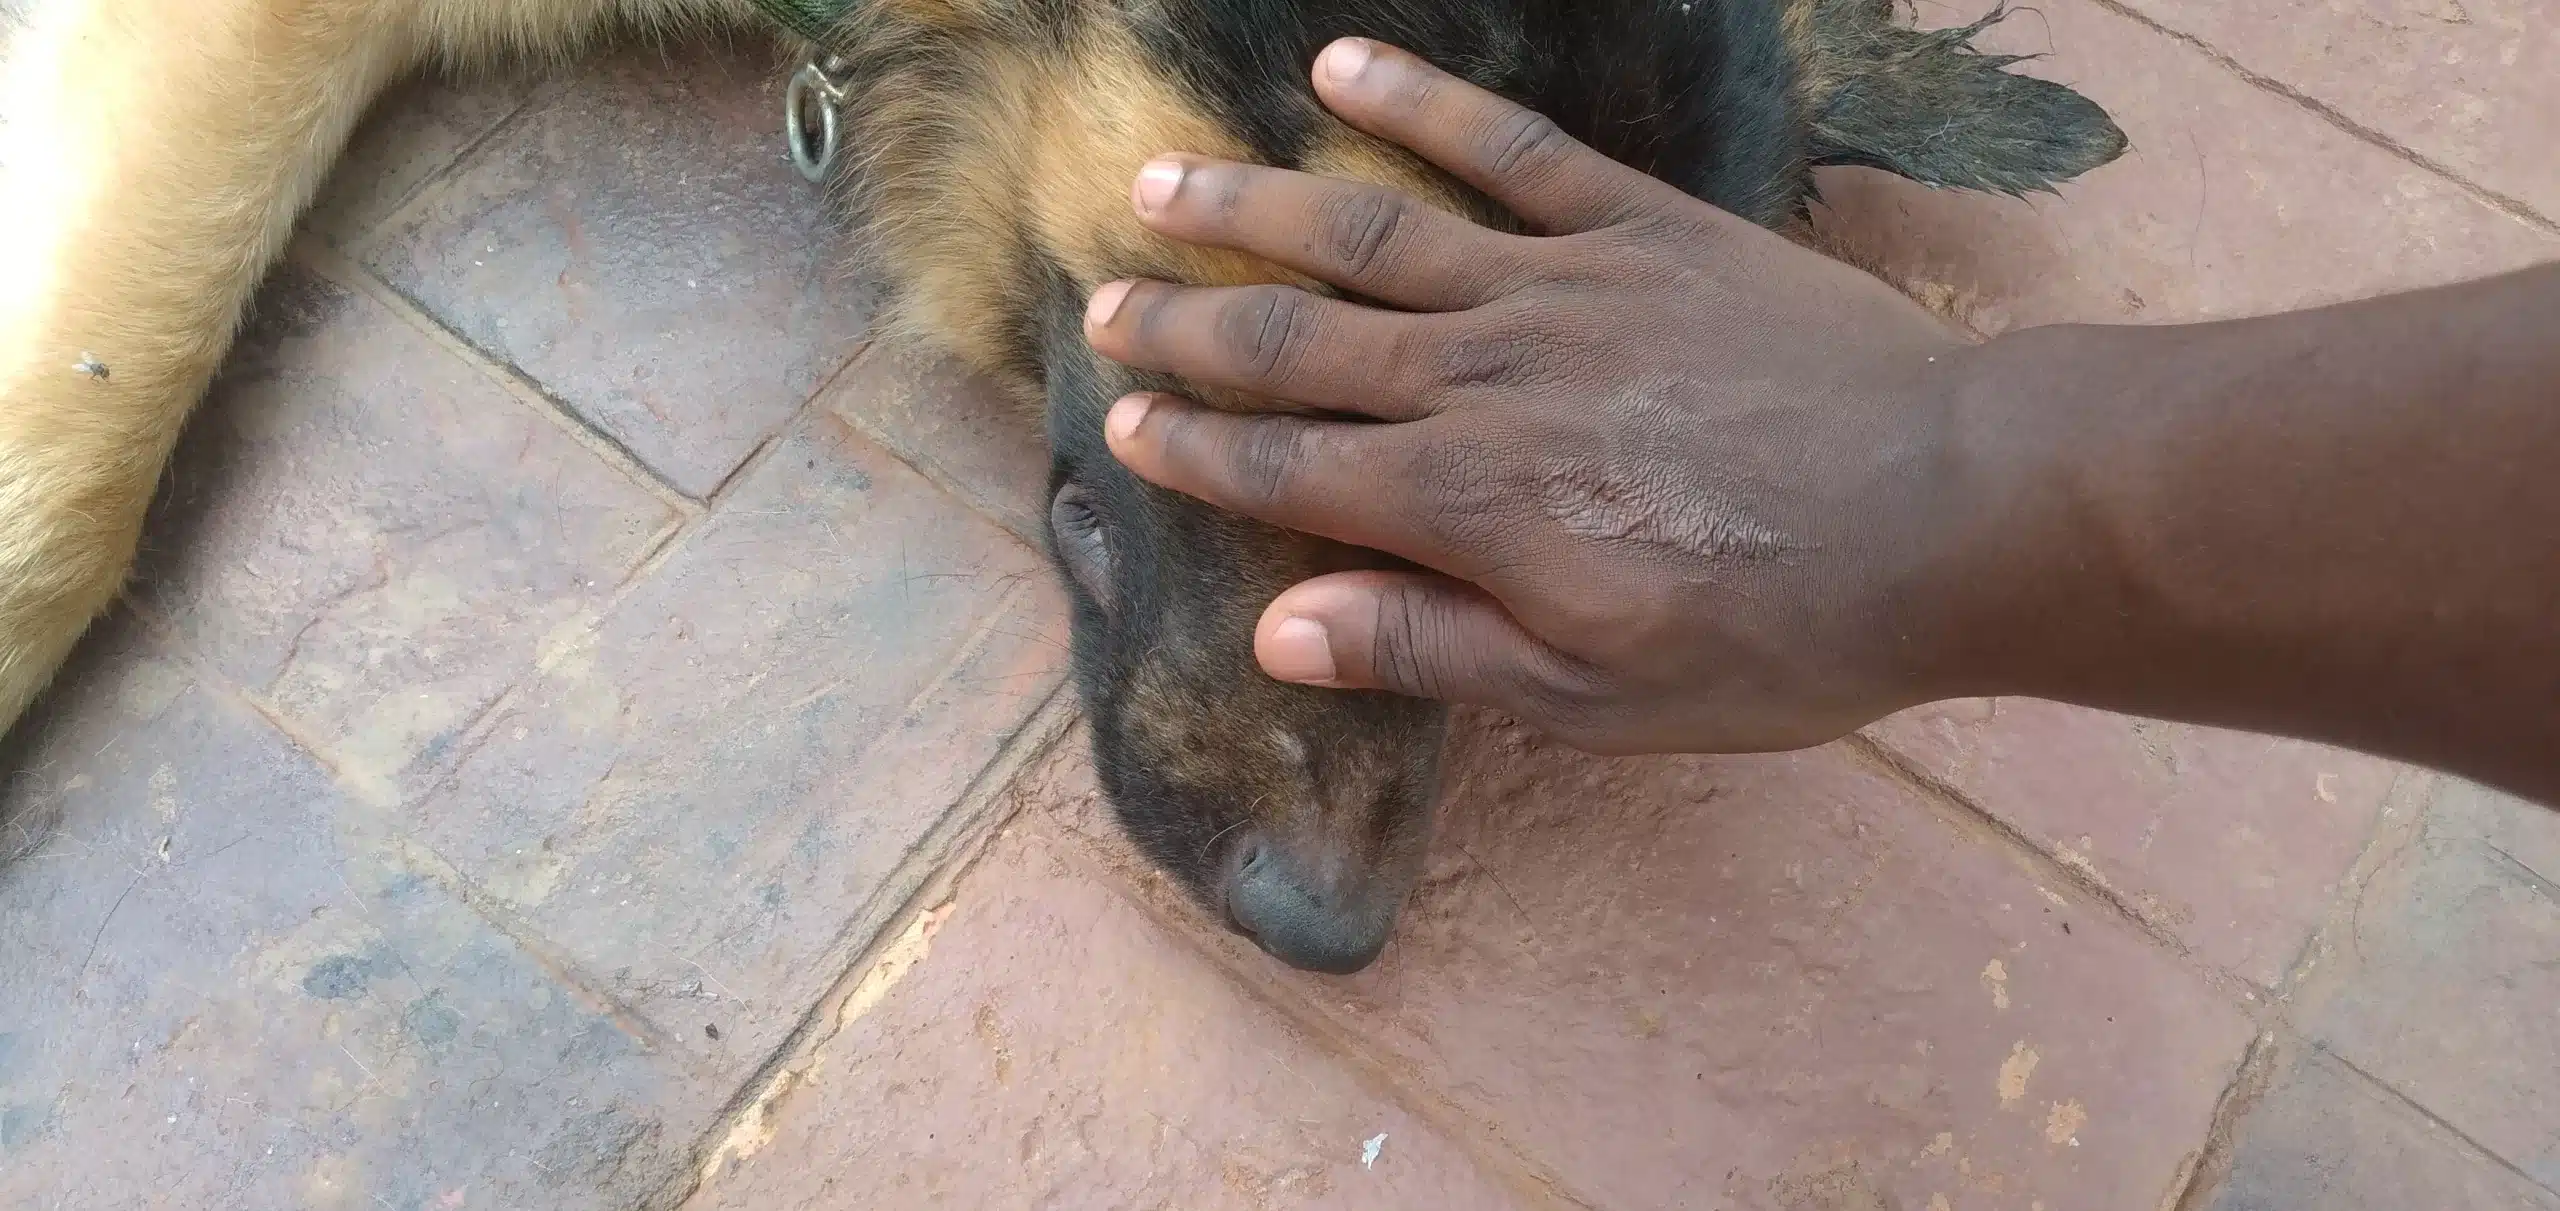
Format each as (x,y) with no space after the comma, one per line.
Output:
(1612,258)
(1506,352)
(1458,504)
(1572,702)
(1658,248)
(1267,459)
(1147,317)
(1480,359)
(1417,93)
(1677,227)
(1265,332)
(1408,635)
(1524,142)
(1361,227)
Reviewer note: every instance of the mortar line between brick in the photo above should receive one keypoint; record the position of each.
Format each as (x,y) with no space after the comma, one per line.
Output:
(419,857)
(937,863)
(2393,1093)
(799,414)
(1959,811)
(672,541)
(932,867)
(953,837)
(661,549)
(165,635)
(555,961)
(2507,204)
(362,242)
(1483,1142)
(970,648)
(2210,1164)
(2398,826)
(949,834)
(854,419)
(315,255)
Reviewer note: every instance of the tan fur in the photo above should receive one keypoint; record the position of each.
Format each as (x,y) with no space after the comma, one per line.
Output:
(1346,153)
(154,158)
(1044,154)
(156,153)
(1037,168)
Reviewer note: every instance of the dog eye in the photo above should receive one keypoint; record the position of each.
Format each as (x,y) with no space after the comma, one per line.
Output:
(1082,542)
(1072,515)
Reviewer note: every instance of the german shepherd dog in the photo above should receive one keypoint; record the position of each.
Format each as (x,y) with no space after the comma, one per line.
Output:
(158,153)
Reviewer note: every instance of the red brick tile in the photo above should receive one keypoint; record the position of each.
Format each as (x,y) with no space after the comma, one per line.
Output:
(710,794)
(371,536)
(227,988)
(2328,1138)
(2466,83)
(2444,989)
(975,440)
(1746,982)
(2233,843)
(2231,202)
(639,246)
(1049,1046)
(418,129)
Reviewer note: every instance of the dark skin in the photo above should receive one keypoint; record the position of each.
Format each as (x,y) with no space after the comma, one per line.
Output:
(1680,485)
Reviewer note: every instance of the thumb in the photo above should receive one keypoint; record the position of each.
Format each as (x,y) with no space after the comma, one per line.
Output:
(1412,633)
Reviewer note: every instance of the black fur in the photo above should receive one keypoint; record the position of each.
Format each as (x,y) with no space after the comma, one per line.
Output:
(1949,116)
(1206,760)
(1187,582)
(1701,95)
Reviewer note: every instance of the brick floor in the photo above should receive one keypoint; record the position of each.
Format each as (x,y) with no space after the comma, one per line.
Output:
(2232,844)
(2233,199)
(371,536)
(634,242)
(233,983)
(588,734)
(2328,1138)
(994,1076)
(2443,987)
(1799,958)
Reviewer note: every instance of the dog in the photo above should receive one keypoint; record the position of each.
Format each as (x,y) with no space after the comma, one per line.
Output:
(159,153)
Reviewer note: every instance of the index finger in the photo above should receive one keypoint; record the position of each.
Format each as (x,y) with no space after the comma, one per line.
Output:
(1376,242)
(1351,482)
(1517,157)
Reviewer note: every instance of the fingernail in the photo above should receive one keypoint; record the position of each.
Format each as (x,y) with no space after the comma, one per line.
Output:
(1346,59)
(1125,417)
(1106,303)
(1157,183)
(1300,652)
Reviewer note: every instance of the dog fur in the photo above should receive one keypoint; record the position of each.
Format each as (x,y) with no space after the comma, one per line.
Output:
(157,153)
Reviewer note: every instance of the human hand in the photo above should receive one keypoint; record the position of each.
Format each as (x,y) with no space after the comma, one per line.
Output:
(1678,483)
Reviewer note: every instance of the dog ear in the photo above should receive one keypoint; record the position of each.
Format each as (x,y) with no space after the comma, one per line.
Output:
(1928,106)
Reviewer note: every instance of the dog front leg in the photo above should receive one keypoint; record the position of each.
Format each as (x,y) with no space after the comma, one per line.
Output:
(153,157)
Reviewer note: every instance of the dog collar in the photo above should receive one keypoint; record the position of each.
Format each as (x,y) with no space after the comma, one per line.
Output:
(813,21)
(817,91)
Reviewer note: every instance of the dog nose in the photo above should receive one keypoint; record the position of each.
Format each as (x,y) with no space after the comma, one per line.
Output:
(1270,899)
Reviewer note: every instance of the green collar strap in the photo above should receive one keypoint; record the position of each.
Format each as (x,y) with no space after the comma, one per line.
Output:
(814,21)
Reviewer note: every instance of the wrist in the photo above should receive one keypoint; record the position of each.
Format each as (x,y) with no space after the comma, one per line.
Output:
(2030,567)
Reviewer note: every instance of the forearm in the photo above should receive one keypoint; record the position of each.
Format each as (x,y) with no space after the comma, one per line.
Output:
(2342,524)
